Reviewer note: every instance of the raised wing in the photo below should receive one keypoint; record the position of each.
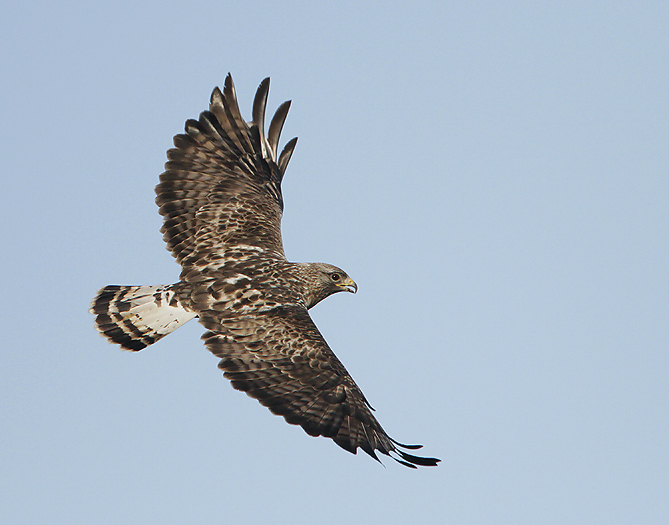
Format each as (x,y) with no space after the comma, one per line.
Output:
(279,357)
(222,183)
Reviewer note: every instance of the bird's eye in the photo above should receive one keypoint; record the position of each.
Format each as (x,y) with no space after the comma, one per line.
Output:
(335,277)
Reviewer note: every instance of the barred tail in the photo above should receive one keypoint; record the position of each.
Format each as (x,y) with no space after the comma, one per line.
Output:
(137,316)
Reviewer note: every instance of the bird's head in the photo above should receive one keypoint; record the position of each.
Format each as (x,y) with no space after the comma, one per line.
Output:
(324,280)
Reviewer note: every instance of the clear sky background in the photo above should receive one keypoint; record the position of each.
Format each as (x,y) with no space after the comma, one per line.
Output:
(495,177)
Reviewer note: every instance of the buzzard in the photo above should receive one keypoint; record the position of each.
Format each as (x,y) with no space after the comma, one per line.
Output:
(220,197)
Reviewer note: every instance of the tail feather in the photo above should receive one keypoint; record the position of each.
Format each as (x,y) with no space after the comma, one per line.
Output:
(137,316)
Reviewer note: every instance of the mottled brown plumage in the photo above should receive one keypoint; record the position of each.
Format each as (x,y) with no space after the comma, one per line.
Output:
(220,197)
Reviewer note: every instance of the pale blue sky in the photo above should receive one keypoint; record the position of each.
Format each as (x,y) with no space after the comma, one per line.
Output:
(494,176)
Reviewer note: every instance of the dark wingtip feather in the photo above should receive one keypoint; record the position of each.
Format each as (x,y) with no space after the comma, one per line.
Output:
(365,446)
(276,126)
(405,463)
(259,105)
(287,152)
(410,460)
(417,460)
(229,93)
(216,96)
(410,447)
(260,102)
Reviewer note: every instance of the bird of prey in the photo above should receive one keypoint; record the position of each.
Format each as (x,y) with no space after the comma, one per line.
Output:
(220,198)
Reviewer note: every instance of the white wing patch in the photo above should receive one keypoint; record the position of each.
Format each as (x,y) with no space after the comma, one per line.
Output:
(236,278)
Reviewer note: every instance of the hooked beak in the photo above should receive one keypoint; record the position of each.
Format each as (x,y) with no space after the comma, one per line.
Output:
(348,285)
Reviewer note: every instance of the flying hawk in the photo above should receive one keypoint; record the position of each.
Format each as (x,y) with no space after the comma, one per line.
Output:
(220,196)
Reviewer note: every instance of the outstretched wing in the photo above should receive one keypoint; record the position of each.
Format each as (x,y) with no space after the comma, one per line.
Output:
(222,183)
(279,357)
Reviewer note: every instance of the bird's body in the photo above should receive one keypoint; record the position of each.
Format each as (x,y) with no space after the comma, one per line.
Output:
(221,200)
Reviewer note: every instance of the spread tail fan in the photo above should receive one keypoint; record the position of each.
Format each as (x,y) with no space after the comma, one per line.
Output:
(137,316)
